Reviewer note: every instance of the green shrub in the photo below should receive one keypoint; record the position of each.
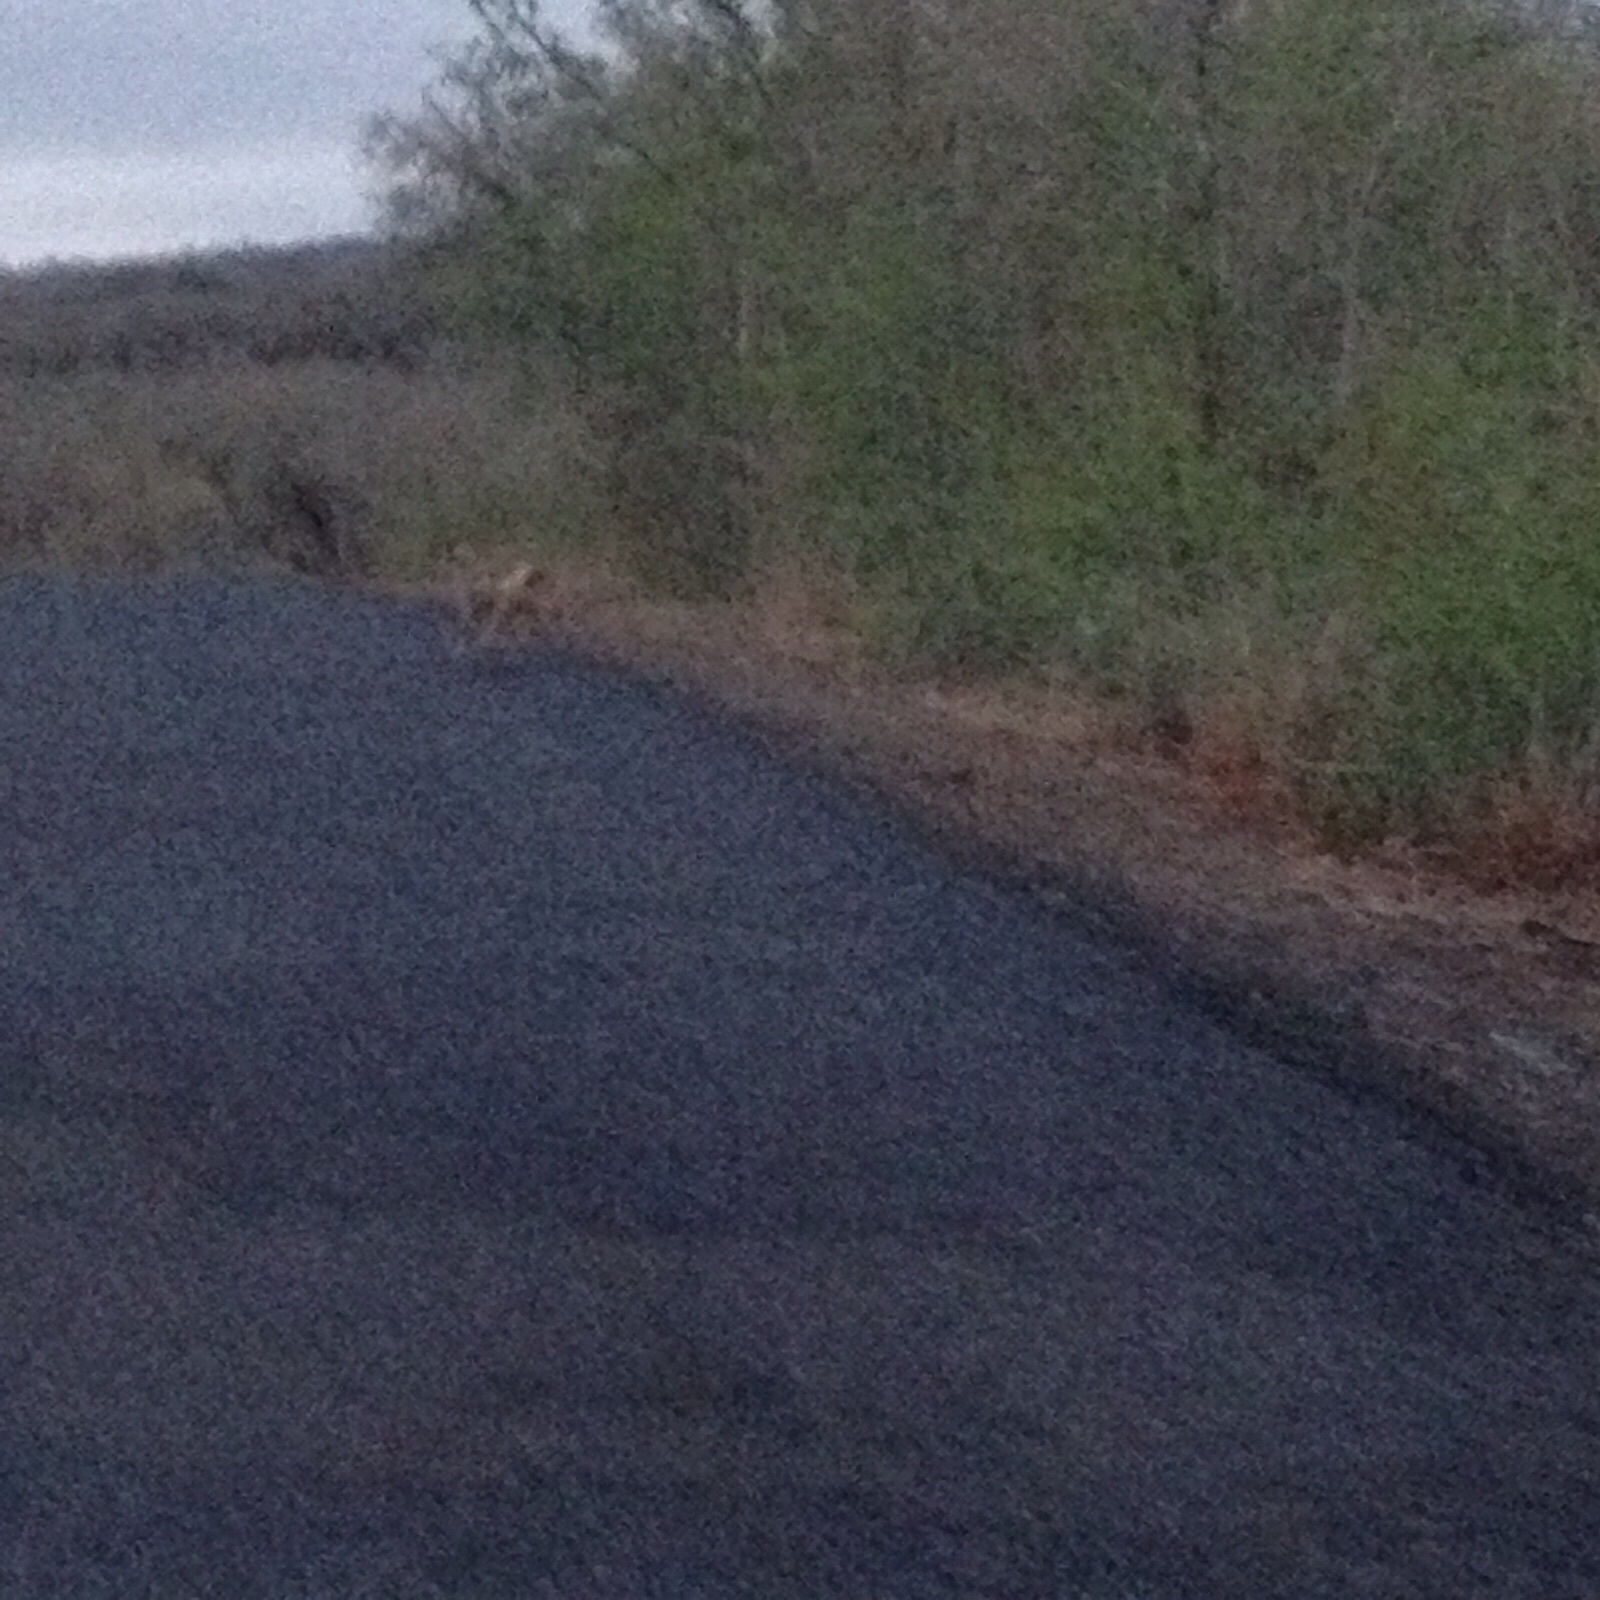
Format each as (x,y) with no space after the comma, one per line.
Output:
(1469,494)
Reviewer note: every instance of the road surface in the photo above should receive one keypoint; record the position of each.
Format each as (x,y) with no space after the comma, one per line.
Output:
(472,1124)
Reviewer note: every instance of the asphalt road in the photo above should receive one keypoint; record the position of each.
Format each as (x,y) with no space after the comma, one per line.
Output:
(473,1124)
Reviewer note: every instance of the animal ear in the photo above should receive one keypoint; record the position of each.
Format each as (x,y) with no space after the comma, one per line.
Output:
(522,578)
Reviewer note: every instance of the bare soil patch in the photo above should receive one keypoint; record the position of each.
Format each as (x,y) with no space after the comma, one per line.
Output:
(1483,1007)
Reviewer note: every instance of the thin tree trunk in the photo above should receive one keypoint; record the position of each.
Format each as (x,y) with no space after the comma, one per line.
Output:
(1205,225)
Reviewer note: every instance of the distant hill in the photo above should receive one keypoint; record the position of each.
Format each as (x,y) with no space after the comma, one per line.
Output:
(352,299)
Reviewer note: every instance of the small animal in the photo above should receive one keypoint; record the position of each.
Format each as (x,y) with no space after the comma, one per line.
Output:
(491,608)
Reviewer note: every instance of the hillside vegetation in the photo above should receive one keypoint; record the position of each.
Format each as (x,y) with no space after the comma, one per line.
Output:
(1236,359)
(1234,362)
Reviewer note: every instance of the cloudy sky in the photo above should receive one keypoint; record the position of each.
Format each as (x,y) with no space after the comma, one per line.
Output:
(136,127)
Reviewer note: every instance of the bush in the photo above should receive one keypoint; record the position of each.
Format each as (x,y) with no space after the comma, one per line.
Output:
(1468,496)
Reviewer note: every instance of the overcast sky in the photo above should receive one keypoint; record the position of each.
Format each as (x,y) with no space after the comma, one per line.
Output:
(137,127)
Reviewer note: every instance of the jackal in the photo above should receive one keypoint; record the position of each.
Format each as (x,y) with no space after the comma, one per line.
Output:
(491,608)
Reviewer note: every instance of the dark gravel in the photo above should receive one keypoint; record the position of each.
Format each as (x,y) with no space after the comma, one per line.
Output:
(474,1124)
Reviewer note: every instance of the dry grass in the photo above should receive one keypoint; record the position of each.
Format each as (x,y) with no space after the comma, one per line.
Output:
(110,470)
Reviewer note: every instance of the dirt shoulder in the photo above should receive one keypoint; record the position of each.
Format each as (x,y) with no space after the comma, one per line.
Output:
(1482,1009)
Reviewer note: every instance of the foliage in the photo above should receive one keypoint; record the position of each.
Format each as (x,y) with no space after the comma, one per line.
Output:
(1134,340)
